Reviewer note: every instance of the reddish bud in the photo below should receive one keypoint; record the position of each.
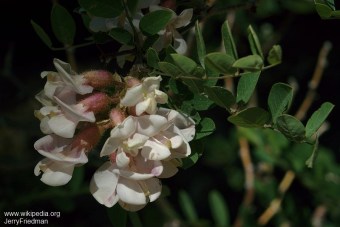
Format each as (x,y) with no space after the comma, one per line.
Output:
(99,78)
(87,138)
(131,81)
(96,102)
(117,116)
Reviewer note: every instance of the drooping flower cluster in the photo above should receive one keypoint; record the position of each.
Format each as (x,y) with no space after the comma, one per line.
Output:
(145,143)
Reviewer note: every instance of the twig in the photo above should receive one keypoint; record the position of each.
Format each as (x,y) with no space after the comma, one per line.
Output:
(289,177)
(249,178)
(318,215)
(275,204)
(314,83)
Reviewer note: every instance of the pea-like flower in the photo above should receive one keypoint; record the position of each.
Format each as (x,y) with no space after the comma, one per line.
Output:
(145,96)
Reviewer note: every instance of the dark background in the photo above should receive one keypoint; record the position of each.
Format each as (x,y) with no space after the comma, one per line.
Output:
(23,57)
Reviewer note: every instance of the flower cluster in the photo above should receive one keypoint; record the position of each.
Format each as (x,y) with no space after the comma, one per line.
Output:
(145,143)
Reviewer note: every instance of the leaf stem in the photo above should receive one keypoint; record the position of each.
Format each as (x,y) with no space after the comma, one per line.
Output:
(73,46)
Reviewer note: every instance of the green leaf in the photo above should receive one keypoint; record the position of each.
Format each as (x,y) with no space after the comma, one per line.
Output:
(187,65)
(219,209)
(121,35)
(335,14)
(275,55)
(311,160)
(220,96)
(291,128)
(187,206)
(198,102)
(117,216)
(228,41)
(152,58)
(42,34)
(317,118)
(219,63)
(102,8)
(154,21)
(253,117)
(149,41)
(279,99)
(249,63)
(63,25)
(170,69)
(323,10)
(204,128)
(254,42)
(200,43)
(246,86)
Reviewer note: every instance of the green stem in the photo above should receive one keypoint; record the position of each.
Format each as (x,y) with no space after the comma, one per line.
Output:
(73,47)
(135,33)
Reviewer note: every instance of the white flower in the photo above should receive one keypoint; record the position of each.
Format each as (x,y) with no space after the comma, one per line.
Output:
(133,187)
(63,118)
(60,159)
(145,96)
(127,138)
(170,35)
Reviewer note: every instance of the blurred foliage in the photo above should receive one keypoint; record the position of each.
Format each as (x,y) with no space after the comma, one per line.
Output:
(210,193)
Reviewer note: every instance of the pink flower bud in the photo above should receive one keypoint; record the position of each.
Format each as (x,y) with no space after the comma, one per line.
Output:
(117,116)
(87,138)
(97,102)
(131,81)
(98,78)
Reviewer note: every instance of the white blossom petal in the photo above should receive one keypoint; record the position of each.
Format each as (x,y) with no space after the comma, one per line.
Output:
(169,169)
(153,150)
(125,129)
(110,146)
(132,96)
(151,125)
(54,173)
(161,97)
(122,160)
(183,19)
(137,141)
(62,126)
(103,185)
(150,84)
(154,187)
(180,45)
(145,106)
(130,191)
(130,207)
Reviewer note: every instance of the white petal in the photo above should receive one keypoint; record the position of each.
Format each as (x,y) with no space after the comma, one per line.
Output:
(153,150)
(175,139)
(181,152)
(125,129)
(179,43)
(103,185)
(75,113)
(130,207)
(154,187)
(44,127)
(136,141)
(170,169)
(150,84)
(161,97)
(143,106)
(132,96)
(57,173)
(183,19)
(110,146)
(129,191)
(70,77)
(122,160)
(150,125)
(62,126)
(57,148)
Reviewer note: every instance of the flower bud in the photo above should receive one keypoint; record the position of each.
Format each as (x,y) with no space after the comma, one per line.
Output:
(97,102)
(87,138)
(131,81)
(98,78)
(117,116)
